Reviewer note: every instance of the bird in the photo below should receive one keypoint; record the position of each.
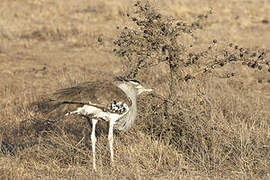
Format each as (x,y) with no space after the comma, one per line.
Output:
(114,101)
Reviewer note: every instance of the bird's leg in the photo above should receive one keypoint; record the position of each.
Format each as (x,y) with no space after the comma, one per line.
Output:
(93,140)
(86,130)
(110,138)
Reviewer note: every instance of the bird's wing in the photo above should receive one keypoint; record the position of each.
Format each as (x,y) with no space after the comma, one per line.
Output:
(98,94)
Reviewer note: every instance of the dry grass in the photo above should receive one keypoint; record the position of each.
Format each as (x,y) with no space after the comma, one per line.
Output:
(220,127)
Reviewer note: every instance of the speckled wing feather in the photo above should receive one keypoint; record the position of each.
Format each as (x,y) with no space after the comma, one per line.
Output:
(99,94)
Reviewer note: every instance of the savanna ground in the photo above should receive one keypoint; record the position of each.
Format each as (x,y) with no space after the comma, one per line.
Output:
(223,121)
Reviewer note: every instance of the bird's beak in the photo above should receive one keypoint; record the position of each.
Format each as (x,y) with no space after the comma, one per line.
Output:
(142,89)
(148,90)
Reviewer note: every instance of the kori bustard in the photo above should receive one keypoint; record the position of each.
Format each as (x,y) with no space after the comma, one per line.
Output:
(113,101)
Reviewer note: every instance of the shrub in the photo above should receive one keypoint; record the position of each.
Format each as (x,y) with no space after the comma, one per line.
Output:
(153,39)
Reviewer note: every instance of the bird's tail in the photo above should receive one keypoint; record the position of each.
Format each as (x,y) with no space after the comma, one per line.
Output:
(44,106)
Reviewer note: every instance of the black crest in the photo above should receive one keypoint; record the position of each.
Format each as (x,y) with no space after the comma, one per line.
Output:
(134,80)
(121,78)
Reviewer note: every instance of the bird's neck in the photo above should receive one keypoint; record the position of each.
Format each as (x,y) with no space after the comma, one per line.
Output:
(132,113)
(130,92)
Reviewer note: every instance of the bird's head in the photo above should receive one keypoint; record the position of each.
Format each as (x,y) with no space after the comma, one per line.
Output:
(134,84)
(140,89)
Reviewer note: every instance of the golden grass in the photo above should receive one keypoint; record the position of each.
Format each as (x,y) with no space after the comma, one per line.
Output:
(221,125)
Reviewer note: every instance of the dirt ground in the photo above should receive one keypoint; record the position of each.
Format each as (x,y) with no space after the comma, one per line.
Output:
(47,45)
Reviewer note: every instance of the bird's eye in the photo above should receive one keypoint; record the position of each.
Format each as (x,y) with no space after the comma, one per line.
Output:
(139,86)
